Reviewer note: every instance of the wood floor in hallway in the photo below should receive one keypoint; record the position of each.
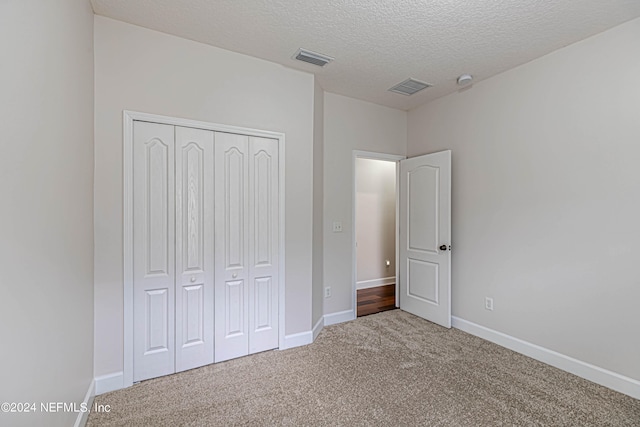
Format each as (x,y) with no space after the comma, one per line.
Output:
(375,300)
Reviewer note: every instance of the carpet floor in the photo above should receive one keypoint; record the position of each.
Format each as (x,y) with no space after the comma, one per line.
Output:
(390,368)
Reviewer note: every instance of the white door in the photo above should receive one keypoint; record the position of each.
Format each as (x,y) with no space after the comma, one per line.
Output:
(263,255)
(205,247)
(425,237)
(153,250)
(246,294)
(232,240)
(194,248)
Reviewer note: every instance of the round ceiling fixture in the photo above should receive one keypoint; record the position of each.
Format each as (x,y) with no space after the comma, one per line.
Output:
(465,79)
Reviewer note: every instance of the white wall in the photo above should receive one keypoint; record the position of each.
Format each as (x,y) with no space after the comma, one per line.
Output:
(546,202)
(350,124)
(318,193)
(46,220)
(143,70)
(375,222)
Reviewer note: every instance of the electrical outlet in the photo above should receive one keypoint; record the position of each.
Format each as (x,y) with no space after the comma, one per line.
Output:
(337,227)
(327,292)
(488,303)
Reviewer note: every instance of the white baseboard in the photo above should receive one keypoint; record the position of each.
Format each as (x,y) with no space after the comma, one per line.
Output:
(297,340)
(366,284)
(109,382)
(318,327)
(115,381)
(339,317)
(604,377)
(81,419)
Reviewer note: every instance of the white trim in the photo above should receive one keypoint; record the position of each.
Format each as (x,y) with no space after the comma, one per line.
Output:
(604,377)
(318,327)
(374,283)
(398,234)
(339,317)
(377,156)
(81,419)
(127,190)
(303,338)
(297,340)
(281,225)
(177,121)
(358,154)
(109,382)
(128,118)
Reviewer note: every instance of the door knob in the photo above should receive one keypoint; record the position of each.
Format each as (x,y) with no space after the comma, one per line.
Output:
(443,247)
(193,279)
(234,275)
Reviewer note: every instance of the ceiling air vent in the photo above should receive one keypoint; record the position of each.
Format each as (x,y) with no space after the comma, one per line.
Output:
(312,57)
(409,87)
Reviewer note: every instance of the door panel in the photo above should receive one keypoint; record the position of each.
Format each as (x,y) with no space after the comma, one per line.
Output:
(425,227)
(234,183)
(153,250)
(157,315)
(156,215)
(262,301)
(262,203)
(425,289)
(194,248)
(263,227)
(193,314)
(234,305)
(231,245)
(422,183)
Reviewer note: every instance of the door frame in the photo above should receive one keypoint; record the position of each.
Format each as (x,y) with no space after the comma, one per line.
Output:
(127,180)
(372,155)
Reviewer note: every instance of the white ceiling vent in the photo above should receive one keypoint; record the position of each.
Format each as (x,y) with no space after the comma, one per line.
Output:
(409,87)
(312,57)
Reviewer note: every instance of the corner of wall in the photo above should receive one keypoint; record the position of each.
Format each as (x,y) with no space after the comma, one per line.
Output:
(318,202)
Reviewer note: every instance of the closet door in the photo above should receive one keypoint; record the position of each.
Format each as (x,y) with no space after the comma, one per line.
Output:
(194,248)
(231,246)
(153,250)
(263,245)
(247,218)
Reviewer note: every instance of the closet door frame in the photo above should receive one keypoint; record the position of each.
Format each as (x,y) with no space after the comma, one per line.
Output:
(128,119)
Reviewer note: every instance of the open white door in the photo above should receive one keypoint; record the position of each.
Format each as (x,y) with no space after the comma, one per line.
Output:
(425,237)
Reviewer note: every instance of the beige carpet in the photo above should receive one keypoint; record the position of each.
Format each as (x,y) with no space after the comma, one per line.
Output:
(390,368)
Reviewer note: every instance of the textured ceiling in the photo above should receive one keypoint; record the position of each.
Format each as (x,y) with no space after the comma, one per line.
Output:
(378,43)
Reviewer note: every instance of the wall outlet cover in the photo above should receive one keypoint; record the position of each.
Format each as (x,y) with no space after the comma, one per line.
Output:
(488,303)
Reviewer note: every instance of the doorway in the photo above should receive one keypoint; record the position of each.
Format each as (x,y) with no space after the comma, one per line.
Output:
(375,196)
(423,234)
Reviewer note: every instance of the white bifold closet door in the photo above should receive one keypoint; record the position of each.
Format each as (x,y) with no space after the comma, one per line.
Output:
(246,296)
(205,256)
(153,250)
(194,248)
